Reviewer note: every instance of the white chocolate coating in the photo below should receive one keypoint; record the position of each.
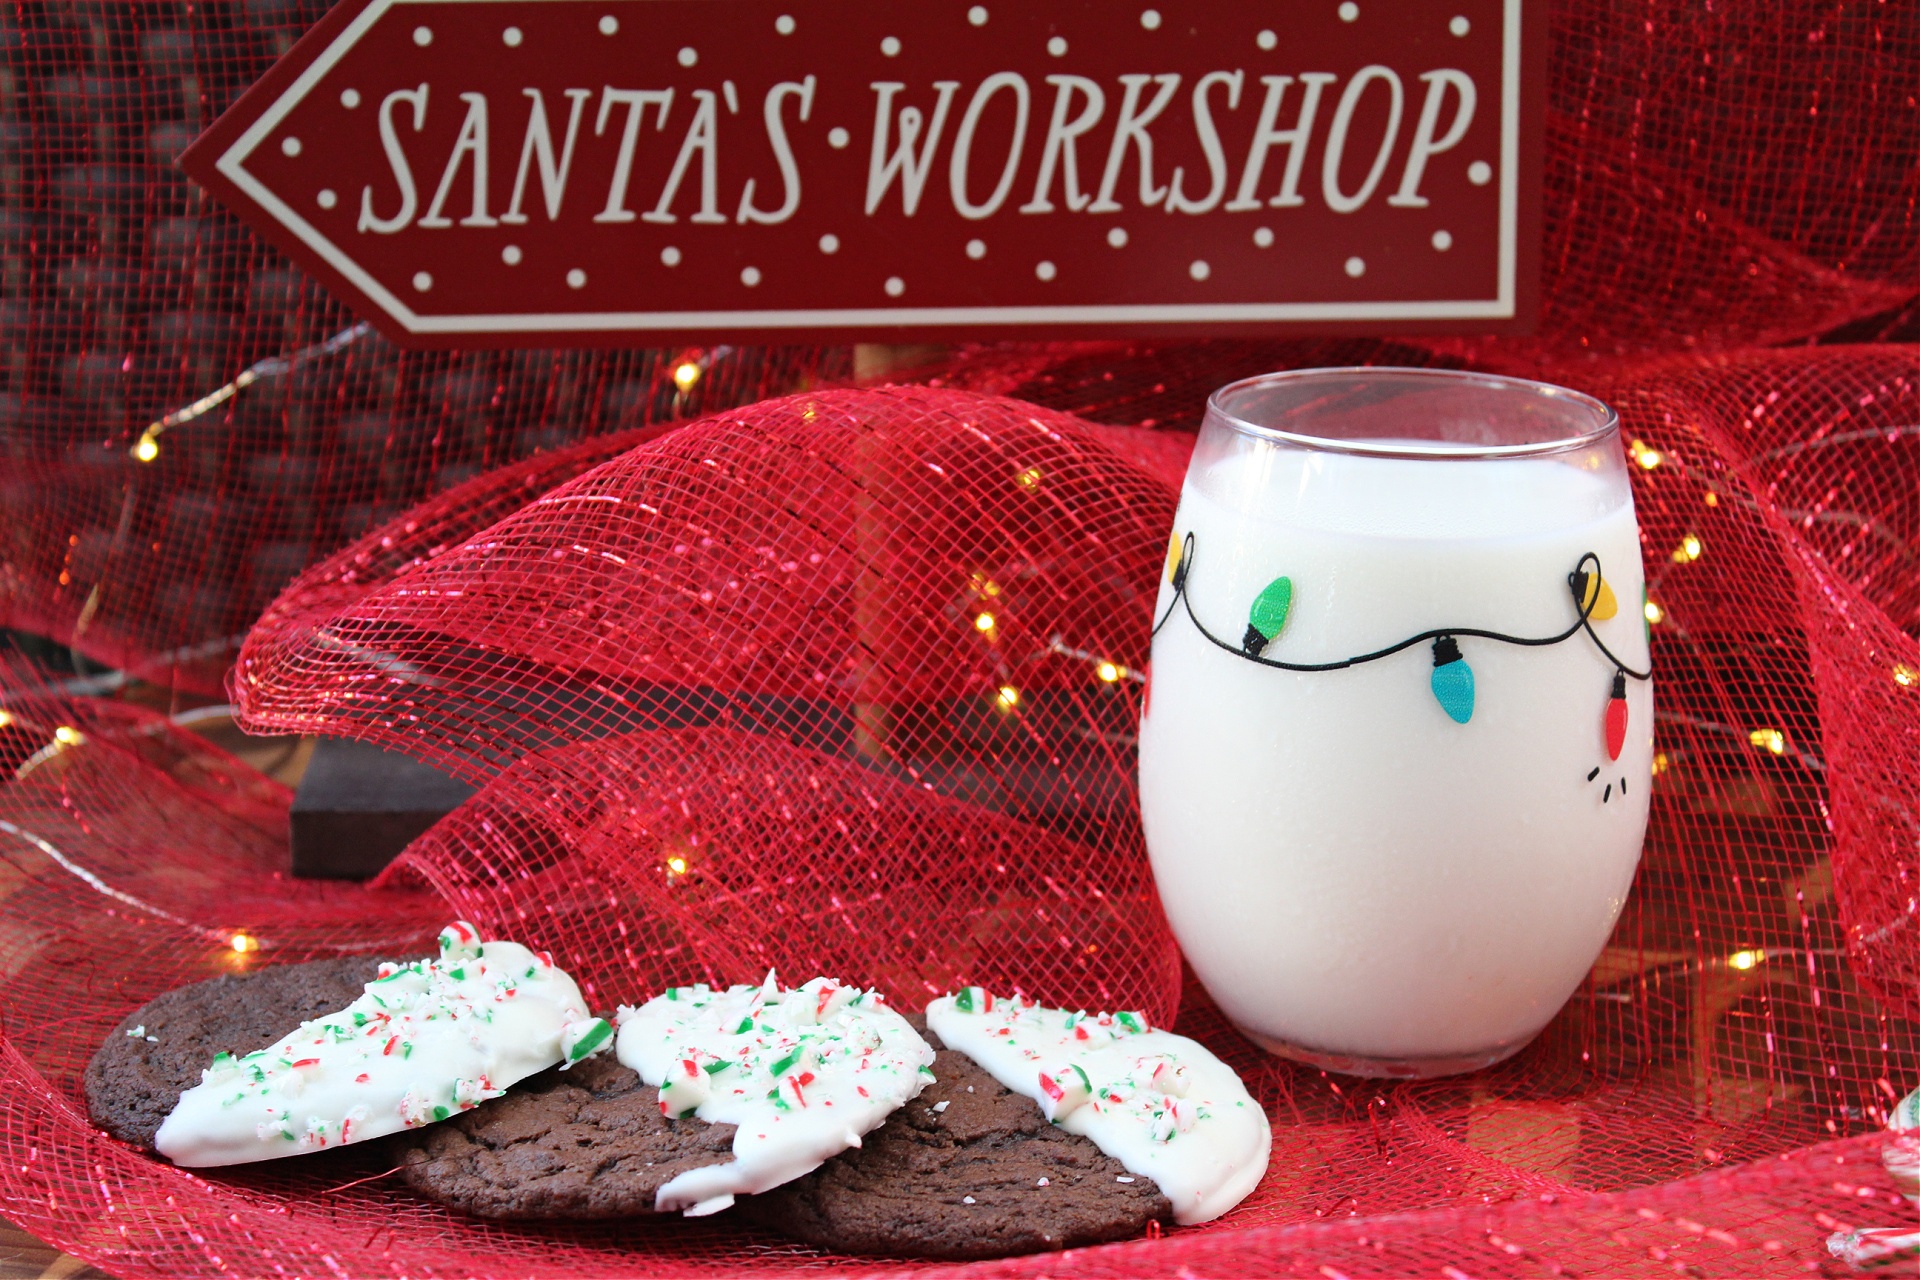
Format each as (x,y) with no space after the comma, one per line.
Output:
(803,1072)
(426,1040)
(1160,1104)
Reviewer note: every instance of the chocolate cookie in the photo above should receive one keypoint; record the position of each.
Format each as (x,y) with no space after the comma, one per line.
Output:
(160,1049)
(969,1169)
(587,1142)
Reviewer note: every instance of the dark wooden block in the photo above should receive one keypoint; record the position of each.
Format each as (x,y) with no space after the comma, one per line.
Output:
(358,806)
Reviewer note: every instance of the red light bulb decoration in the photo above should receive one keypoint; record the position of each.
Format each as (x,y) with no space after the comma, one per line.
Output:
(1616,719)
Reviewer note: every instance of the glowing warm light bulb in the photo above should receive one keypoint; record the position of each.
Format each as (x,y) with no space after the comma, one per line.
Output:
(1661,763)
(1646,457)
(1655,614)
(1904,676)
(986,622)
(1689,550)
(1769,740)
(1108,672)
(676,865)
(685,374)
(146,448)
(1028,479)
(6,718)
(1007,698)
(1712,499)
(243,943)
(67,736)
(1745,959)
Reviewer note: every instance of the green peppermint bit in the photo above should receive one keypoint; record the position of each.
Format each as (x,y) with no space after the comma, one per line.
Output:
(441,1113)
(529,972)
(715,1067)
(1086,1083)
(673,993)
(1133,1021)
(458,975)
(591,1039)
(781,1067)
(927,1072)
(964,1001)
(359,1018)
(222,1057)
(406,1048)
(746,1025)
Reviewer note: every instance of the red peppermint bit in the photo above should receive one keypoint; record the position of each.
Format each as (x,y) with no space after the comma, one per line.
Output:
(346,1123)
(805,1077)
(826,994)
(1113,1097)
(1080,1033)
(307,1062)
(546,958)
(362,1078)
(663,1109)
(863,1091)
(1051,1088)
(391,1041)
(986,1001)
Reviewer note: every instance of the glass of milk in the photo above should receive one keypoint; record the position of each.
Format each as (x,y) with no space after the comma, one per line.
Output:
(1397,745)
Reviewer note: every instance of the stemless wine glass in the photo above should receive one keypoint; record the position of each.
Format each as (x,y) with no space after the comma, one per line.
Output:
(1397,742)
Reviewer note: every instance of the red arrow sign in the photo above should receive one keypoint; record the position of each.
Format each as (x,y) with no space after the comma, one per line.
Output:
(542,172)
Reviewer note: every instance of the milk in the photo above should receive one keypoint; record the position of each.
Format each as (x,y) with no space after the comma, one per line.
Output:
(1353,874)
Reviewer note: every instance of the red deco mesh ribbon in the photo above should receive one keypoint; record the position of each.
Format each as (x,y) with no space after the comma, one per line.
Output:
(734,703)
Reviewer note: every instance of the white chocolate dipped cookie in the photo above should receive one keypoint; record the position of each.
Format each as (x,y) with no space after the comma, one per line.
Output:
(1160,1104)
(425,1040)
(802,1072)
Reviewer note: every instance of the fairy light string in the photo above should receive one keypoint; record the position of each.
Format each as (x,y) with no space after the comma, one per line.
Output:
(1452,679)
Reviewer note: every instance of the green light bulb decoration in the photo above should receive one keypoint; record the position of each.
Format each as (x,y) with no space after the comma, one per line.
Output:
(1268,616)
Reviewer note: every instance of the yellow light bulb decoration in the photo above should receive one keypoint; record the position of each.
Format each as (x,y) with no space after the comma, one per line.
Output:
(1595,596)
(685,375)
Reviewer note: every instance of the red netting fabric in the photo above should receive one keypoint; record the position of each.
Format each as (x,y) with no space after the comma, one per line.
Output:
(757,669)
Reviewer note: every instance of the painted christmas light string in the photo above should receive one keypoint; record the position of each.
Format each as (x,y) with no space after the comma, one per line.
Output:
(1452,680)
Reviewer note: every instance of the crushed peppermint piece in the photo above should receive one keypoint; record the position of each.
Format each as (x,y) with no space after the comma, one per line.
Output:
(968,1200)
(1123,1179)
(942,1105)
(1043,1182)
(802,1072)
(583,1039)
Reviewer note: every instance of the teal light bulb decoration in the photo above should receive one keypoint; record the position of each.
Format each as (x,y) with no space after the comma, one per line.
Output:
(1268,616)
(1452,680)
